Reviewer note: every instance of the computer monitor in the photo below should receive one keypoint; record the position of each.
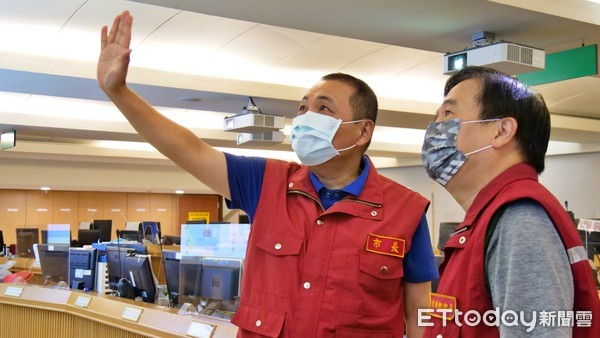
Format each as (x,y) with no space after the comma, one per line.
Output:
(446,230)
(150,231)
(44,234)
(54,262)
(171,240)
(87,237)
(56,236)
(1,241)
(82,268)
(220,278)
(171,262)
(133,226)
(190,279)
(105,227)
(200,221)
(26,237)
(139,273)
(116,261)
(85,225)
(139,248)
(130,235)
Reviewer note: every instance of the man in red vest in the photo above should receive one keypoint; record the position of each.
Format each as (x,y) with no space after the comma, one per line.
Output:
(515,266)
(336,249)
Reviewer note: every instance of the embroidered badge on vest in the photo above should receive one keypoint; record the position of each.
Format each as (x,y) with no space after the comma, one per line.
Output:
(385,245)
(443,306)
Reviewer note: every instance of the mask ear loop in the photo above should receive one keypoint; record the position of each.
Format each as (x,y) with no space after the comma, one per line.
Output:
(354,145)
(478,150)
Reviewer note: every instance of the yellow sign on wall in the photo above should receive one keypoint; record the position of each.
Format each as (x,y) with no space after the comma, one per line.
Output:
(199,215)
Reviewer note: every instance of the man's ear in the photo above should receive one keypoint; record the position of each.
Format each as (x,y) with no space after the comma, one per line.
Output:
(366,132)
(505,132)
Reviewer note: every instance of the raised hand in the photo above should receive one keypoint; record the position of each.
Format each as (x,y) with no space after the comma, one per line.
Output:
(114,53)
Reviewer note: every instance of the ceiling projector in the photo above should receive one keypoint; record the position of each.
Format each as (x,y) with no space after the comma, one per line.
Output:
(252,120)
(507,57)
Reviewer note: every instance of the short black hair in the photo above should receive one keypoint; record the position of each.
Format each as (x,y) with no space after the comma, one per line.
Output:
(363,102)
(505,96)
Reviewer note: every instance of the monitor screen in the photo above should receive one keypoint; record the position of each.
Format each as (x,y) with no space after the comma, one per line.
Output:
(190,279)
(87,237)
(446,230)
(133,226)
(1,241)
(142,278)
(150,231)
(220,278)
(54,262)
(26,237)
(57,234)
(171,240)
(171,262)
(82,268)
(131,235)
(105,227)
(215,240)
(85,225)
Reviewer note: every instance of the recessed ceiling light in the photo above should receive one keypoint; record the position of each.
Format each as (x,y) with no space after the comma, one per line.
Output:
(189,99)
(179,192)
(45,188)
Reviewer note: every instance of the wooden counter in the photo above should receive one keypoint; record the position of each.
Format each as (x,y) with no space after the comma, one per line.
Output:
(35,311)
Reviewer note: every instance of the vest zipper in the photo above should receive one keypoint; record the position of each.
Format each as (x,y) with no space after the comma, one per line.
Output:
(307,195)
(375,205)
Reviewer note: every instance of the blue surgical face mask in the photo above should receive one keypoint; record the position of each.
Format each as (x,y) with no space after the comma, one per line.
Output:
(441,159)
(312,135)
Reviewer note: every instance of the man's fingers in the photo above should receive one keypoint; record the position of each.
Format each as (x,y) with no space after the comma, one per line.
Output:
(113,29)
(103,37)
(126,24)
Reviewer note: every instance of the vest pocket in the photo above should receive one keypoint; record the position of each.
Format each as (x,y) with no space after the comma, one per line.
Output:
(278,260)
(259,321)
(375,287)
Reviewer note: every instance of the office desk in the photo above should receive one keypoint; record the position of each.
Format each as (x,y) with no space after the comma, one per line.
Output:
(34,311)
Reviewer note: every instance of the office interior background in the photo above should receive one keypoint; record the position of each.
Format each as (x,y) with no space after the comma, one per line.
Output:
(199,61)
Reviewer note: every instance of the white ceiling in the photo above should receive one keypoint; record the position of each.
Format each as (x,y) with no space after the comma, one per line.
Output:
(223,51)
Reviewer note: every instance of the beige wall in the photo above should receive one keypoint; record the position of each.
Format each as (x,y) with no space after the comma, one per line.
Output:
(36,208)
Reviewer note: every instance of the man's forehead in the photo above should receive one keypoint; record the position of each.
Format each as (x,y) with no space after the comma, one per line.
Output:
(333,91)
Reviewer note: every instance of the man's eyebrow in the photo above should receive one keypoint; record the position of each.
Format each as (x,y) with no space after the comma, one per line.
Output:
(449,102)
(320,98)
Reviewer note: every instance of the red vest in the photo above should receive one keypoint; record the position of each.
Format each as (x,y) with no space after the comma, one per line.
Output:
(334,273)
(462,272)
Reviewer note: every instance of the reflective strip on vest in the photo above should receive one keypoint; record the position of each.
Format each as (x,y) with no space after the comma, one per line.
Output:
(577,254)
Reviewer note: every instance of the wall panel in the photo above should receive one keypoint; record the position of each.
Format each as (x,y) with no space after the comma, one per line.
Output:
(13,213)
(39,209)
(65,209)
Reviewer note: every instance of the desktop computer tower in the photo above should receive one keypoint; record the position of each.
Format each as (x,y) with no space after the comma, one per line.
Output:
(82,268)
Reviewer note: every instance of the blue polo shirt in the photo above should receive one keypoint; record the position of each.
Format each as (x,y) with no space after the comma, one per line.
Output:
(245,182)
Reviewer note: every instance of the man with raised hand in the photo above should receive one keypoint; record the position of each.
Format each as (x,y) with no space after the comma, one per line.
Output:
(335,249)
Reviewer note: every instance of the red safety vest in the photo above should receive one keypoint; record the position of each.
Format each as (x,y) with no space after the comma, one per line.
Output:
(462,283)
(334,273)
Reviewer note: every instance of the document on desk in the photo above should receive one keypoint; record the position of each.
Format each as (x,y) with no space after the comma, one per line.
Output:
(131,313)
(83,301)
(201,330)
(13,291)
